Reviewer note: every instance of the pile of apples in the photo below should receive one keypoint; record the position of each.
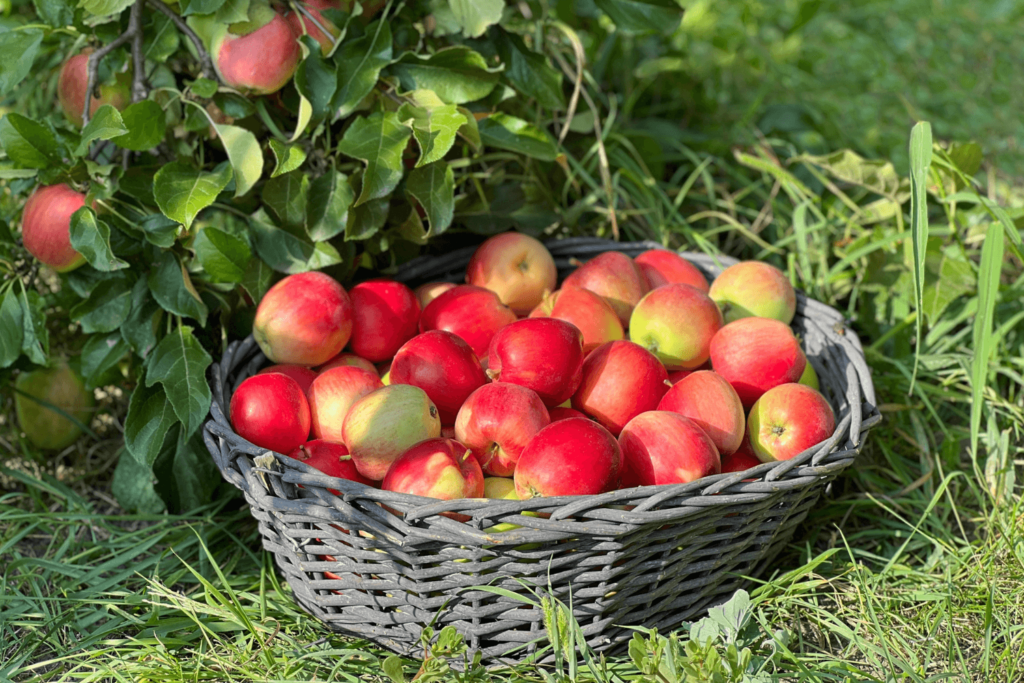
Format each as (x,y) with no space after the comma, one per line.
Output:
(635,372)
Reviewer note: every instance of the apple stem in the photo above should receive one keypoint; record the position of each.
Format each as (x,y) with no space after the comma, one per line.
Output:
(493,375)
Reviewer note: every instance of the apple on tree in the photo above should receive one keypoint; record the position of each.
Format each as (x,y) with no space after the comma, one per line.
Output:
(46,226)
(73,82)
(258,56)
(58,386)
(307,20)
(517,267)
(305,319)
(497,421)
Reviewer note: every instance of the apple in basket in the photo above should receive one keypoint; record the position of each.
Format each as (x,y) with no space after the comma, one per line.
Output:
(516,267)
(383,424)
(663,267)
(710,401)
(385,315)
(542,354)
(571,457)
(330,458)
(436,468)
(348,359)
(676,323)
(271,411)
(305,319)
(590,313)
(497,421)
(620,380)
(473,313)
(787,420)
(333,393)
(441,364)
(300,373)
(661,447)
(614,276)
(430,291)
(755,355)
(754,288)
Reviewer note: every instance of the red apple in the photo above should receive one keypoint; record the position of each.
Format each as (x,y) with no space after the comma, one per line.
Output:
(517,267)
(382,425)
(304,319)
(333,394)
(754,288)
(756,354)
(442,365)
(590,313)
(620,381)
(574,457)
(385,315)
(430,291)
(663,267)
(677,376)
(543,354)
(303,375)
(787,420)
(257,57)
(301,24)
(46,226)
(73,82)
(740,461)
(676,322)
(660,447)
(436,468)
(271,411)
(614,276)
(497,421)
(710,401)
(330,458)
(349,359)
(557,414)
(473,313)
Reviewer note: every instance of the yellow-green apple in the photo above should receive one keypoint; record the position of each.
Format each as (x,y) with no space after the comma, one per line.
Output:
(543,354)
(436,468)
(430,291)
(500,488)
(810,376)
(330,458)
(562,413)
(589,312)
(332,395)
(349,359)
(46,226)
(787,420)
(663,267)
(614,276)
(442,365)
(305,319)
(259,56)
(382,425)
(756,354)
(473,313)
(676,322)
(271,411)
(740,461)
(574,457)
(385,315)
(497,421)
(302,24)
(73,82)
(662,447)
(620,380)
(59,386)
(711,402)
(516,267)
(754,288)
(301,374)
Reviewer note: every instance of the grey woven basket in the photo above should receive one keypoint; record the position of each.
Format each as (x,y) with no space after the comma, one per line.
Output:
(653,556)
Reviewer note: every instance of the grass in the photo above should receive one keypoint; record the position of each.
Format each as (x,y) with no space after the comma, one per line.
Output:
(912,569)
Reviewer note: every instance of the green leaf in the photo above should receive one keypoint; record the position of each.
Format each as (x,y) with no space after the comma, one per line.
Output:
(27,143)
(139,330)
(173,290)
(35,342)
(99,355)
(433,186)
(989,273)
(528,71)
(920,163)
(330,197)
(245,155)
(195,473)
(223,256)
(232,11)
(643,16)
(200,7)
(150,415)
(316,79)
(946,280)
(256,280)
(91,238)
(160,230)
(286,197)
(11,334)
(161,39)
(366,219)
(359,64)
(179,362)
(378,140)
(133,486)
(434,124)
(204,87)
(475,16)
(393,669)
(456,74)
(287,253)
(516,135)
(182,192)
(56,13)
(106,309)
(18,49)
(102,8)
(470,131)
(287,157)
(105,124)
(146,126)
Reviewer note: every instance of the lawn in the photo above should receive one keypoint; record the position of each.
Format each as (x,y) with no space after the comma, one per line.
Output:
(761,130)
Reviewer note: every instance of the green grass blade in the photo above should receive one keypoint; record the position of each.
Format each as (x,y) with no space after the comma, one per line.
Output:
(920,163)
(988,292)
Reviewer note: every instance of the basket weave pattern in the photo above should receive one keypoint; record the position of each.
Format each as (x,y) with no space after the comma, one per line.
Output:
(652,556)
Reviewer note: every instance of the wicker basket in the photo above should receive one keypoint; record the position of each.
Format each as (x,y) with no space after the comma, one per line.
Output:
(653,556)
